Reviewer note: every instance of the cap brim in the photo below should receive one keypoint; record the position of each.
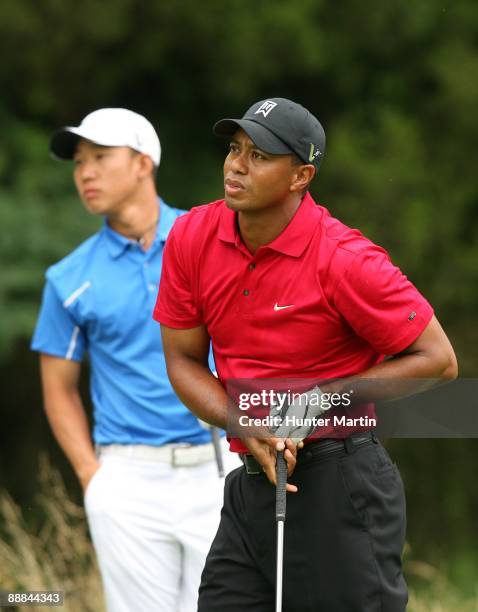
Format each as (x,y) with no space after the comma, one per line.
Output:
(263,138)
(63,143)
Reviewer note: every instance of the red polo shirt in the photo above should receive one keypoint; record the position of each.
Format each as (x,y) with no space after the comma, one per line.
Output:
(320,301)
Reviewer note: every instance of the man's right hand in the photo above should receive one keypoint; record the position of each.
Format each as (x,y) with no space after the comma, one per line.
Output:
(265,451)
(86,474)
(67,416)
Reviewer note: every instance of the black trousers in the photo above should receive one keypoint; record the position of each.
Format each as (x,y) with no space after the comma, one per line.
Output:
(344,536)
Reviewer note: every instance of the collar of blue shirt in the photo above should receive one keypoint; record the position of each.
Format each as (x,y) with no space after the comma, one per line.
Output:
(117,244)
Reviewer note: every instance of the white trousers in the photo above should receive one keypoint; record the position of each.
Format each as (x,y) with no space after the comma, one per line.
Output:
(152,525)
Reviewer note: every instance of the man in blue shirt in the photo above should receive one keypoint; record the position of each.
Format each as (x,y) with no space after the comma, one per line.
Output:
(152,493)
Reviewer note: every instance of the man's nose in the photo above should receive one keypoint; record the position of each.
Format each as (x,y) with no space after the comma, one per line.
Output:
(239,163)
(87,170)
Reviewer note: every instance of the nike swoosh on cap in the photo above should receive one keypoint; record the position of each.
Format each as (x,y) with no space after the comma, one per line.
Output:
(313,153)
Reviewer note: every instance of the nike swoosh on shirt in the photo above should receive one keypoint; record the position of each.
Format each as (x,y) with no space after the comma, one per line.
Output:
(277,307)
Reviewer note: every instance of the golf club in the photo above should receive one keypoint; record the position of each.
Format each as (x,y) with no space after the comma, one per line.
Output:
(216,441)
(281,471)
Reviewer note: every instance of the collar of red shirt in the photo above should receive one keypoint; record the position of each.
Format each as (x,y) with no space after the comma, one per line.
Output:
(292,241)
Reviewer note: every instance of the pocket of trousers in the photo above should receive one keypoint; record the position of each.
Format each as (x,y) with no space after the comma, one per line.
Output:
(92,484)
(367,481)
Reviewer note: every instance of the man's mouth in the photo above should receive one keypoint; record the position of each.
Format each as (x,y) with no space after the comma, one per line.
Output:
(233,187)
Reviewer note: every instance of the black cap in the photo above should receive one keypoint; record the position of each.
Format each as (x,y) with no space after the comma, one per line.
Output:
(280,126)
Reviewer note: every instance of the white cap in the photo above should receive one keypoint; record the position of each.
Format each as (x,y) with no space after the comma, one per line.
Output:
(110,127)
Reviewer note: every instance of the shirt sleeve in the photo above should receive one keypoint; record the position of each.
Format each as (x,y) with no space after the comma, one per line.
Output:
(175,304)
(380,303)
(56,332)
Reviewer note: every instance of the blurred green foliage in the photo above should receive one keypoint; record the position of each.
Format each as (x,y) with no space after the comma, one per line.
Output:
(40,220)
(394,83)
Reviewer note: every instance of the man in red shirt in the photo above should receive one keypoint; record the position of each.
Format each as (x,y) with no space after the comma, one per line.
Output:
(285,291)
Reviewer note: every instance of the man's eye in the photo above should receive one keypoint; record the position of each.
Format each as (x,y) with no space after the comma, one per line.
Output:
(233,148)
(257,155)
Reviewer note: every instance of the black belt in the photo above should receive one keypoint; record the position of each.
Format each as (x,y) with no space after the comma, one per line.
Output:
(317,448)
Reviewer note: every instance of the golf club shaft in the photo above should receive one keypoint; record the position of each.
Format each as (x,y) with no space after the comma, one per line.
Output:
(216,441)
(280,562)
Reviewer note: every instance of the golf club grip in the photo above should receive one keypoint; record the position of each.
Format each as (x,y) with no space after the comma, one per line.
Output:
(281,471)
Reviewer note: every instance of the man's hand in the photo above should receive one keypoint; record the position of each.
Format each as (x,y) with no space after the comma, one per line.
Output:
(86,474)
(67,416)
(265,451)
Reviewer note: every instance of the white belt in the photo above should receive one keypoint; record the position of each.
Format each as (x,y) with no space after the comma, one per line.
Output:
(177,455)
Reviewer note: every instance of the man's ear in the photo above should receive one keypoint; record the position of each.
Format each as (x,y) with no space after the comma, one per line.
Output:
(146,165)
(302,176)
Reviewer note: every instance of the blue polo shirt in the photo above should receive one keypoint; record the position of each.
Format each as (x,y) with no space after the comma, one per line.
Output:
(100,299)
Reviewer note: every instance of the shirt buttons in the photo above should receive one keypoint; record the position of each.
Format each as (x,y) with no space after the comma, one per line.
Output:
(245,292)
(252,266)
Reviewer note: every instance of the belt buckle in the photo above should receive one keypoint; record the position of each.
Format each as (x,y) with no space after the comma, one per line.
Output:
(252,465)
(174,461)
